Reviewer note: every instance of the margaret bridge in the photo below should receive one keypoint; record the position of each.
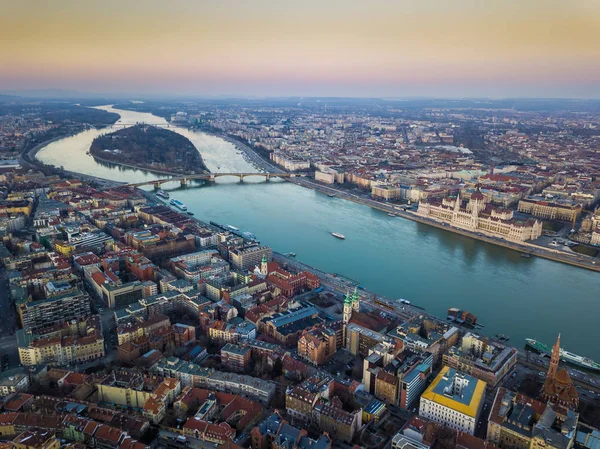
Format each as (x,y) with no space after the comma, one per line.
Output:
(211,177)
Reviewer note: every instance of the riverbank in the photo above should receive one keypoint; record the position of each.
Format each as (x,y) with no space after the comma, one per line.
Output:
(522,247)
(29,156)
(251,154)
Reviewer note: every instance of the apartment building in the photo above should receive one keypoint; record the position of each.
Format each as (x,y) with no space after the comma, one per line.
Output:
(244,259)
(58,308)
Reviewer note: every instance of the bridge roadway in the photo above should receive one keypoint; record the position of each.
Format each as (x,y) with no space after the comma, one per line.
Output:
(128,125)
(212,176)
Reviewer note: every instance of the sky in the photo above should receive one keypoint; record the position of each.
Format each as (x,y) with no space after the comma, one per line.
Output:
(361,48)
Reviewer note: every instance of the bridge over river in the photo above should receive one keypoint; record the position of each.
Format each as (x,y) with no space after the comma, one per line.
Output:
(211,177)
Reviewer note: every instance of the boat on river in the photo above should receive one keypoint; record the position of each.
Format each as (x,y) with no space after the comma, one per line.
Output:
(337,235)
(178,204)
(162,194)
(565,355)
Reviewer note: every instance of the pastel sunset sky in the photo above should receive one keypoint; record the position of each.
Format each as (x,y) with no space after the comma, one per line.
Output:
(382,48)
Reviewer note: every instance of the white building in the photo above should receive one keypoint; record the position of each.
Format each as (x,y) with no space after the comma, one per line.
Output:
(401,441)
(453,399)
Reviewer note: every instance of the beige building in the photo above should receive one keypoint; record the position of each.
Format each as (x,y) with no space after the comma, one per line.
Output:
(325,177)
(482,359)
(385,191)
(129,332)
(59,350)
(247,258)
(317,345)
(480,216)
(152,403)
(289,163)
(359,340)
(567,211)
(520,422)
(338,423)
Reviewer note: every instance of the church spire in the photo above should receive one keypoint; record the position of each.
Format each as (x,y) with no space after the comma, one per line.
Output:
(558,387)
(355,300)
(553,367)
(457,204)
(348,298)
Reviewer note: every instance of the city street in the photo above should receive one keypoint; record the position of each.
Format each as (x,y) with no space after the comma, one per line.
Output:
(7,312)
(8,340)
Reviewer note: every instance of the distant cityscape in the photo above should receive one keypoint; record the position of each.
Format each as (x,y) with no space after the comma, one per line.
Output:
(527,167)
(129,322)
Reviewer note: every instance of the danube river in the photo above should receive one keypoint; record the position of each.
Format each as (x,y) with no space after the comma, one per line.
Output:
(395,257)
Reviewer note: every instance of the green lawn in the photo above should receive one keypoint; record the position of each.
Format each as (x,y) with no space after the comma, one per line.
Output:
(587,250)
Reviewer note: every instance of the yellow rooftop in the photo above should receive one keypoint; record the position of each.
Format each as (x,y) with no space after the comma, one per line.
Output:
(457,391)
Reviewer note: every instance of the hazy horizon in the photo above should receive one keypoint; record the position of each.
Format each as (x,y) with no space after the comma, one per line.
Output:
(263,48)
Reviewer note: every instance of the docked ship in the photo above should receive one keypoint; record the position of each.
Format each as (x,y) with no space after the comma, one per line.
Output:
(178,204)
(565,356)
(338,235)
(232,228)
(162,194)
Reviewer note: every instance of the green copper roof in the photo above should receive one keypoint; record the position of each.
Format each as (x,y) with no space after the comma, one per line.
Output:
(348,299)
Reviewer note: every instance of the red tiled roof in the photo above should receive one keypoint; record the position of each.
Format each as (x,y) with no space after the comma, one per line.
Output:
(108,433)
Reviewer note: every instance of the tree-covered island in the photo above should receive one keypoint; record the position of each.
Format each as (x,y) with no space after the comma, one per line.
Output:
(151,148)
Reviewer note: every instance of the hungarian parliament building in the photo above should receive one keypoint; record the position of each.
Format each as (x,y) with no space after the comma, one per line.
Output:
(478,215)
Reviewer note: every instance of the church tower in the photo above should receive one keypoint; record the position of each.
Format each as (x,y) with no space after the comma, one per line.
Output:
(553,367)
(263,266)
(558,388)
(347,308)
(347,316)
(457,205)
(355,300)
